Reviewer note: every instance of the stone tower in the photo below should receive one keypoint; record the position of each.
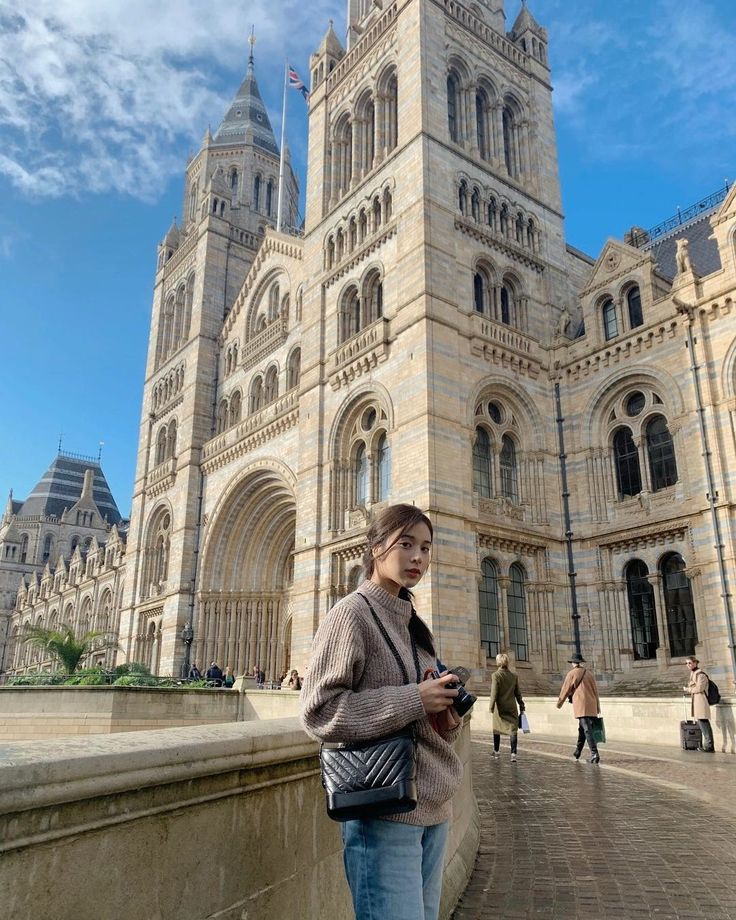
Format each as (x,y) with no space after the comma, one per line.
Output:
(230,200)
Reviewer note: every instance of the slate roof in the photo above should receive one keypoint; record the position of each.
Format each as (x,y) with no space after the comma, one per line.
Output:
(61,486)
(247,112)
(703,251)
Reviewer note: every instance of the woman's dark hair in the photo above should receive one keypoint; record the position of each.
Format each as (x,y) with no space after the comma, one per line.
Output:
(392,519)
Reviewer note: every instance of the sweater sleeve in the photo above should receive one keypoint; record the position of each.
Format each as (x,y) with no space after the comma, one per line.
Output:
(331,709)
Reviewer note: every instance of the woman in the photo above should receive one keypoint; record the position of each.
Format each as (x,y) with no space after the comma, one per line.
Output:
(295,682)
(354,691)
(505,694)
(228,681)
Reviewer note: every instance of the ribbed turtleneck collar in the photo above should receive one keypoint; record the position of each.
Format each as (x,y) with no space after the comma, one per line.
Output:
(388,602)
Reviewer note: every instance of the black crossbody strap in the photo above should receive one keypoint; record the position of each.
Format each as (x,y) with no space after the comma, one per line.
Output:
(393,648)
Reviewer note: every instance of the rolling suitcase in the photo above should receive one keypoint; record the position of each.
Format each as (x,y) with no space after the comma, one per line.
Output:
(690,735)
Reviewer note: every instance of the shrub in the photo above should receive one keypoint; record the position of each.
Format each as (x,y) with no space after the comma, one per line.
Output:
(42,679)
(136,680)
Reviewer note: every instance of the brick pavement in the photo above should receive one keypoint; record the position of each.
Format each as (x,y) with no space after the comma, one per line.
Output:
(646,834)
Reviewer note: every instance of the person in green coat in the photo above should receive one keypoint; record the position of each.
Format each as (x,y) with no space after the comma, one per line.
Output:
(505,695)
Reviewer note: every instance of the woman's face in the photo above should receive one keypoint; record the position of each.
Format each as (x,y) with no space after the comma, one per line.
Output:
(404,564)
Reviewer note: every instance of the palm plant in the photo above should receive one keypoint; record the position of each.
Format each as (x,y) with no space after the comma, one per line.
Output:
(62,643)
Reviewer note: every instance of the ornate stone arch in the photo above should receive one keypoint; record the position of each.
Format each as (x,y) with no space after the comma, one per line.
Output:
(156,550)
(260,303)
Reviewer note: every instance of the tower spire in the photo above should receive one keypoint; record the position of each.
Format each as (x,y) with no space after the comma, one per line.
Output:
(251,42)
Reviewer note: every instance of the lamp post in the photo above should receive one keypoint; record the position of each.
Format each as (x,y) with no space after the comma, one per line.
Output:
(187,636)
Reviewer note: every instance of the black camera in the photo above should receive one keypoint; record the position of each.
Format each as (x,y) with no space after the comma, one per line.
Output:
(464,700)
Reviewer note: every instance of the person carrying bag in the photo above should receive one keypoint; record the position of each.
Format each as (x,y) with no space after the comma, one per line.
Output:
(361,689)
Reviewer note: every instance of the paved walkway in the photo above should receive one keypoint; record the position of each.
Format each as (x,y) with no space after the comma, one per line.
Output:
(651,832)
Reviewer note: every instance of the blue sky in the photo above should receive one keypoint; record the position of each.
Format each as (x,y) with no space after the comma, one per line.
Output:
(101,102)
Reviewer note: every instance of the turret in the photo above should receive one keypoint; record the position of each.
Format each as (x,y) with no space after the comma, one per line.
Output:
(530,36)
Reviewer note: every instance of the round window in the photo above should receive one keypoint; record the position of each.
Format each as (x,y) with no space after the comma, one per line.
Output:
(369,419)
(495,412)
(635,403)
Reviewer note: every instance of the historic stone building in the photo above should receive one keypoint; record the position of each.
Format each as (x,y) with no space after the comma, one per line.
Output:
(419,341)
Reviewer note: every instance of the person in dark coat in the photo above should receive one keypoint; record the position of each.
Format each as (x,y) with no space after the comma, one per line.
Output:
(580,688)
(505,695)
(214,674)
(194,673)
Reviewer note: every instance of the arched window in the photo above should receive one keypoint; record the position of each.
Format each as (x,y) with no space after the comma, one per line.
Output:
(492,214)
(507,469)
(388,204)
(392,101)
(374,298)
(171,439)
(506,304)
(509,153)
(518,635)
(192,202)
(48,545)
(481,118)
(376,213)
(271,387)
(678,599)
(362,226)
(360,475)
(161,445)
(490,628)
(633,300)
(350,314)
(235,407)
(294,369)
(257,193)
(626,462)
(269,196)
(479,293)
(475,205)
(273,303)
(661,450)
(223,416)
(452,107)
(644,635)
(256,394)
(610,321)
(383,469)
(234,184)
(482,463)
(462,197)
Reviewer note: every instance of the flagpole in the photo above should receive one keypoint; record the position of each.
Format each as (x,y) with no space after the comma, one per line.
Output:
(281,158)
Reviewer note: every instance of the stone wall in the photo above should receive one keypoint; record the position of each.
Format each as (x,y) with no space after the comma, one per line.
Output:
(223,821)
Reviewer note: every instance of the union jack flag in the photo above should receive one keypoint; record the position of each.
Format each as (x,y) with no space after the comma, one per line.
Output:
(295,82)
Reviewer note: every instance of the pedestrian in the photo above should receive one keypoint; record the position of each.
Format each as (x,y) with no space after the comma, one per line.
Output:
(579,688)
(699,707)
(260,677)
(228,681)
(214,675)
(355,691)
(505,695)
(194,673)
(295,682)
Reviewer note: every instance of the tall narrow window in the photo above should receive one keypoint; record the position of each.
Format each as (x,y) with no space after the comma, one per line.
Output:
(383,471)
(295,361)
(269,196)
(257,193)
(505,305)
(626,462)
(271,387)
(481,118)
(644,635)
(507,469)
(633,300)
(360,475)
(490,630)
(47,547)
(661,450)
(610,322)
(475,205)
(234,184)
(452,107)
(508,141)
(482,463)
(678,599)
(518,634)
(479,293)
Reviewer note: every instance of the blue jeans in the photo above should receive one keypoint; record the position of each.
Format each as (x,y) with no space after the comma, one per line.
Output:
(394,870)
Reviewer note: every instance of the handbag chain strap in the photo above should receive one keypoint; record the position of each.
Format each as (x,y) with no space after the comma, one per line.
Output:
(391,645)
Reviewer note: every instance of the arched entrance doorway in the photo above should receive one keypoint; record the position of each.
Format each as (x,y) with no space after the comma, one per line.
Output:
(246,577)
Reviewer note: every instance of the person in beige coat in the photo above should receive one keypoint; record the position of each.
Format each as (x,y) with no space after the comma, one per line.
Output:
(505,694)
(699,707)
(580,688)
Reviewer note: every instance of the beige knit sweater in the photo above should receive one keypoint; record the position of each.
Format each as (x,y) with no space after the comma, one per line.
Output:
(354,691)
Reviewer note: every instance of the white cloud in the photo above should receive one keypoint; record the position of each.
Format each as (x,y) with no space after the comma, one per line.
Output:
(104,96)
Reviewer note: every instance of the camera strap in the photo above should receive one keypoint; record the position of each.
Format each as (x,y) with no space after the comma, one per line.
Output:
(390,643)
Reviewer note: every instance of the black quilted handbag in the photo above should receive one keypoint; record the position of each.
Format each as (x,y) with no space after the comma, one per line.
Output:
(371,779)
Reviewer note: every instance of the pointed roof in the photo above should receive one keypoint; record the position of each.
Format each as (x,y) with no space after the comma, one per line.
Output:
(525,22)
(331,44)
(247,112)
(61,486)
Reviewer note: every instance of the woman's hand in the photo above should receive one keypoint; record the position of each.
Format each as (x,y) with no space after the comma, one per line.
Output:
(435,695)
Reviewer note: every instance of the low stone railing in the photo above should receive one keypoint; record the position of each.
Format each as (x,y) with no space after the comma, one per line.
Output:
(220,820)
